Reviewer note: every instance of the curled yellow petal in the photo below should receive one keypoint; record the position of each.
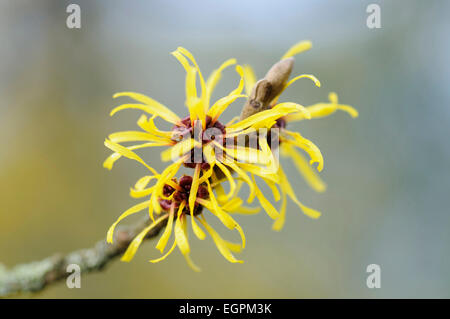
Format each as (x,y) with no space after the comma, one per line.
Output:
(149,126)
(109,162)
(297,48)
(180,235)
(267,117)
(127,153)
(307,76)
(240,87)
(214,78)
(265,148)
(134,245)
(194,188)
(245,177)
(191,57)
(167,254)
(230,179)
(288,188)
(270,210)
(249,79)
(246,210)
(200,107)
(182,240)
(225,218)
(310,175)
(132,210)
(245,154)
(196,229)
(222,246)
(149,105)
(179,149)
(260,171)
(165,176)
(162,242)
(129,136)
(313,151)
(141,193)
(320,110)
(143,182)
(279,222)
(192,99)
(221,105)
(235,206)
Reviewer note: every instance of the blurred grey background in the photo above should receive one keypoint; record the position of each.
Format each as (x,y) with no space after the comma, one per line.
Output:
(387,174)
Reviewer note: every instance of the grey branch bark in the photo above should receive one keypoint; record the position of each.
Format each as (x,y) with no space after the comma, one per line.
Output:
(35,276)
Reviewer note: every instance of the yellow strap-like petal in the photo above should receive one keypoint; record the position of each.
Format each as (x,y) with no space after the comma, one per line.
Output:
(230,179)
(130,136)
(191,57)
(249,79)
(232,204)
(235,206)
(320,110)
(240,87)
(265,148)
(180,235)
(182,240)
(173,153)
(166,175)
(192,99)
(149,126)
(134,245)
(214,78)
(267,117)
(297,48)
(310,175)
(109,162)
(196,229)
(306,210)
(307,76)
(141,193)
(260,171)
(279,223)
(143,182)
(201,107)
(222,246)
(245,177)
(245,154)
(302,76)
(247,210)
(313,151)
(132,210)
(162,242)
(149,105)
(273,188)
(127,153)
(270,210)
(221,105)
(167,254)
(194,188)
(224,217)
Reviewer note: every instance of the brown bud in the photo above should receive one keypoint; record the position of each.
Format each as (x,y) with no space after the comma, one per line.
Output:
(278,75)
(266,89)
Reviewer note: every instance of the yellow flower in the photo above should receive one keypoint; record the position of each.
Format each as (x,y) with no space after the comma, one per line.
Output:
(199,140)
(289,140)
(215,151)
(174,201)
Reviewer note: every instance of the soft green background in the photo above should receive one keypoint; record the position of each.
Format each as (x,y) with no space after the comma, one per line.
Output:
(387,172)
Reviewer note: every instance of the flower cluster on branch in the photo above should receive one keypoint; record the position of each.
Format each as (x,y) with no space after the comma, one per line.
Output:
(244,151)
